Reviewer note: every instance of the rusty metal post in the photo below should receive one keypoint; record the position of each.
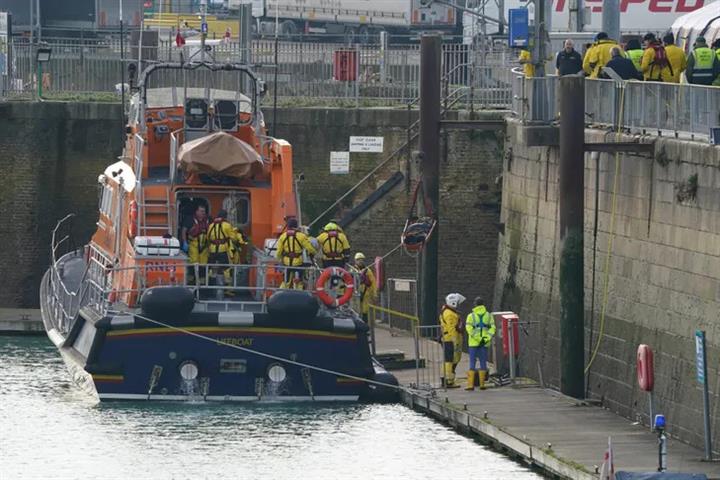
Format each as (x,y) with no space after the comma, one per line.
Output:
(430,67)
(572,210)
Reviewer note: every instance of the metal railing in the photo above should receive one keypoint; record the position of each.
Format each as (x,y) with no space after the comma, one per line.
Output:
(680,110)
(307,73)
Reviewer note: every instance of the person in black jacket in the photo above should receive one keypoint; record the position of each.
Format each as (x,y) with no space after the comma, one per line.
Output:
(568,61)
(622,66)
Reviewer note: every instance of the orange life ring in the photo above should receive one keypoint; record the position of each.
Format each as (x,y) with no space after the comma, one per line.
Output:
(379,273)
(325,276)
(133,219)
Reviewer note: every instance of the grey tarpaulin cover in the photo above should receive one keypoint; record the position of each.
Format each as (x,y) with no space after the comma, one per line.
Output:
(219,154)
(659,476)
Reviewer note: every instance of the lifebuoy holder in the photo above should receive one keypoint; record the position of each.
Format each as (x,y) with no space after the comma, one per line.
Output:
(325,277)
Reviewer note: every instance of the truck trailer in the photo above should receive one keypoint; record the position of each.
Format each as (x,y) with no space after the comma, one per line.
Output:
(355,20)
(636,16)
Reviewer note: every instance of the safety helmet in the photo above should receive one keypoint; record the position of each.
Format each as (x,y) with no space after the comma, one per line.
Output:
(359,256)
(331,226)
(453,300)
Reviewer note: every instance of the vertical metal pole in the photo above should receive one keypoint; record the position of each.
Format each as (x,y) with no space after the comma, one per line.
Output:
(203,22)
(416,341)
(572,207)
(706,401)
(511,348)
(430,58)
(651,405)
(122,73)
(611,18)
(275,75)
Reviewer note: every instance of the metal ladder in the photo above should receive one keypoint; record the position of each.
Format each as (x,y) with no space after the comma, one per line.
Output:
(160,207)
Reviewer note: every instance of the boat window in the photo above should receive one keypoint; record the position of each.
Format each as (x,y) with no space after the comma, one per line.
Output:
(196,112)
(242,206)
(226,113)
(106,194)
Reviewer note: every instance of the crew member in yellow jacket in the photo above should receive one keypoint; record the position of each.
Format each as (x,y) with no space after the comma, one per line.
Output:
(289,250)
(598,55)
(451,337)
(223,239)
(367,286)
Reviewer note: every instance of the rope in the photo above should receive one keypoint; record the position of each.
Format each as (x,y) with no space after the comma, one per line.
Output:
(611,237)
(268,355)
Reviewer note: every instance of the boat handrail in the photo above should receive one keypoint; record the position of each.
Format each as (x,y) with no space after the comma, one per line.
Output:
(241,289)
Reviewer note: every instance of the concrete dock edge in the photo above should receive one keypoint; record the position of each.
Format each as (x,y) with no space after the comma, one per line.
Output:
(467,422)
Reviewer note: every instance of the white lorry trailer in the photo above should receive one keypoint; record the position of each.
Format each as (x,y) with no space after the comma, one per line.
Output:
(636,16)
(354,19)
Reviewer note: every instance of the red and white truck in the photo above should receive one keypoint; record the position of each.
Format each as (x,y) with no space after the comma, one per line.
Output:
(636,16)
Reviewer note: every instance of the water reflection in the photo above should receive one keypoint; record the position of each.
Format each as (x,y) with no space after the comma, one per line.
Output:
(52,430)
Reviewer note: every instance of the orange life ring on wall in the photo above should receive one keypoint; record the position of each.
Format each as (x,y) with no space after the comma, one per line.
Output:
(325,276)
(133,219)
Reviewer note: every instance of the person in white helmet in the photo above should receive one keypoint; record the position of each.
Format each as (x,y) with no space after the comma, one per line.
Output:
(367,285)
(451,337)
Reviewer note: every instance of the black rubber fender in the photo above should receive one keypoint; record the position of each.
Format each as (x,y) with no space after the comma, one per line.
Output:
(292,305)
(167,303)
(377,393)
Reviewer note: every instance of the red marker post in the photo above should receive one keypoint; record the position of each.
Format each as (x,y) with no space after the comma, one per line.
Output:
(646,375)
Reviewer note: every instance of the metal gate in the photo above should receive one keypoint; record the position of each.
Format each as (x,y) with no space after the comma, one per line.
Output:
(401,296)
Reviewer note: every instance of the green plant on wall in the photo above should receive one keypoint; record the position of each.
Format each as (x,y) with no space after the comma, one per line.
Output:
(687,191)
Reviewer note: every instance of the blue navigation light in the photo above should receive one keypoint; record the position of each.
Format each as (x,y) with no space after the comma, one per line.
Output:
(659,421)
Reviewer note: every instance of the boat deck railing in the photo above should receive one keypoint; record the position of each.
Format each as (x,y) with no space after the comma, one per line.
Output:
(216,287)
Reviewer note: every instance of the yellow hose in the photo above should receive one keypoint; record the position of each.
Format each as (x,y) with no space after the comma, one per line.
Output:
(611,237)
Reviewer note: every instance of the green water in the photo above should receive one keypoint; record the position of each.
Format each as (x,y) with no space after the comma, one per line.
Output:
(50,430)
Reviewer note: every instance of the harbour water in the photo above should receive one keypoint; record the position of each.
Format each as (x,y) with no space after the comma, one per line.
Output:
(49,429)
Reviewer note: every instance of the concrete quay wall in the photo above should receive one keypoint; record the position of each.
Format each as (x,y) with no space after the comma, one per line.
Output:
(664,271)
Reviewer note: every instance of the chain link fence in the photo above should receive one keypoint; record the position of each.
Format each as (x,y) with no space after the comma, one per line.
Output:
(306,73)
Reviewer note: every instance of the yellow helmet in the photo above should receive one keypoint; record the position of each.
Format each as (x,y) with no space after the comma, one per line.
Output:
(359,256)
(331,226)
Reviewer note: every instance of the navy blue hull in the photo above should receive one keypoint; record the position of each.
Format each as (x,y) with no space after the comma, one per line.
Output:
(126,361)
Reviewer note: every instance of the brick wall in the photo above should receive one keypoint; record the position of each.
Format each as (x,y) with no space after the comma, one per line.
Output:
(50,156)
(470,196)
(664,274)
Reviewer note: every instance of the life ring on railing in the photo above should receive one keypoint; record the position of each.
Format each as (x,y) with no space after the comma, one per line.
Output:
(379,273)
(133,219)
(325,276)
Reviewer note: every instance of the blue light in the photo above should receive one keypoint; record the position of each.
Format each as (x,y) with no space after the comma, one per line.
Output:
(659,421)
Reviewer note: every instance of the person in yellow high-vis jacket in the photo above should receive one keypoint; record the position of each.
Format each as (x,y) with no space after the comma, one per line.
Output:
(289,250)
(480,326)
(222,239)
(367,286)
(451,337)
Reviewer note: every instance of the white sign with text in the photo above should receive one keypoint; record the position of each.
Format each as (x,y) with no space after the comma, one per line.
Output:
(367,144)
(340,162)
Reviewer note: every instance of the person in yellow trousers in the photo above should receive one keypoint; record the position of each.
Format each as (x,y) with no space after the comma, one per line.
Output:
(480,326)
(451,337)
(290,247)
(193,235)
(367,286)
(222,238)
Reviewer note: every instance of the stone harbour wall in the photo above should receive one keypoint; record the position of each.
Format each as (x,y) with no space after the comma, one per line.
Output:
(664,271)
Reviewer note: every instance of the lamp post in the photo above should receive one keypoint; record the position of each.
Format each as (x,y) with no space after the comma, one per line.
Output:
(42,56)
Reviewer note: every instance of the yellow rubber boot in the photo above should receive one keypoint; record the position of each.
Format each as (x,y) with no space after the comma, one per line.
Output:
(482,374)
(449,376)
(470,380)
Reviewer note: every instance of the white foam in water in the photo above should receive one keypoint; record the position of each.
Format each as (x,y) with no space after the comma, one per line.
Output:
(191,388)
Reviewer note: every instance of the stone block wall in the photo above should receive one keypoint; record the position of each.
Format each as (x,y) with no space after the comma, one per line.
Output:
(664,271)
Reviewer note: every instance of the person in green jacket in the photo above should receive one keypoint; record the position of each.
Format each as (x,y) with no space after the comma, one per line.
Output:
(634,52)
(480,326)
